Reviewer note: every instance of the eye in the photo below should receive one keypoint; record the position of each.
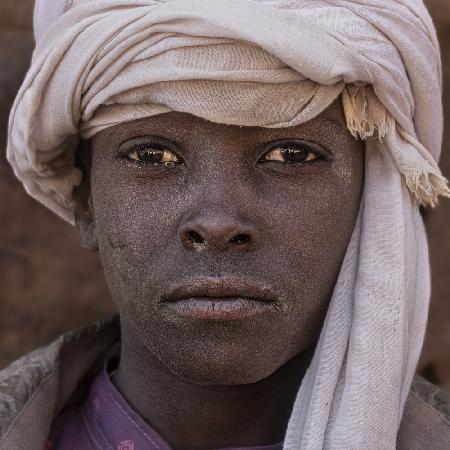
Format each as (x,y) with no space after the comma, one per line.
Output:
(292,153)
(150,153)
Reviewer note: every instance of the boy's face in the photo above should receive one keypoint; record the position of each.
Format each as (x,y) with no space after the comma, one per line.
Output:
(222,244)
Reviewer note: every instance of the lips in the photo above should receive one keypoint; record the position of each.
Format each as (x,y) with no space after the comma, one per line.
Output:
(220,298)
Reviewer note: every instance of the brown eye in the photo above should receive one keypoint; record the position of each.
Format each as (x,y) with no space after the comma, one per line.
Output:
(152,154)
(291,153)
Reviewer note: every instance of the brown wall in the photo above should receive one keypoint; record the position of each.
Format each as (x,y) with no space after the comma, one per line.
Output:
(49,285)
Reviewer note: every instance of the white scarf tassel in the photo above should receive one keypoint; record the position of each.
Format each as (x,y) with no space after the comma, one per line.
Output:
(367,117)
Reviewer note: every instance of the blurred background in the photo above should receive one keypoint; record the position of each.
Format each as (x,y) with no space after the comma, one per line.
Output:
(49,285)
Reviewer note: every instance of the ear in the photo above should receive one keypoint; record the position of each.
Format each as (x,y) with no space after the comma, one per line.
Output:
(84,209)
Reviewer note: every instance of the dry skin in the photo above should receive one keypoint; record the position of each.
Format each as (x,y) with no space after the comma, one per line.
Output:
(297,220)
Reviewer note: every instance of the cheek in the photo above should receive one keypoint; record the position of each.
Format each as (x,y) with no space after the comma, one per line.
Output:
(134,213)
(135,226)
(315,215)
(313,223)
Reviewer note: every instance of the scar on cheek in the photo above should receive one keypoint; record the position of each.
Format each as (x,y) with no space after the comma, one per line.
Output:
(126,255)
(114,240)
(121,261)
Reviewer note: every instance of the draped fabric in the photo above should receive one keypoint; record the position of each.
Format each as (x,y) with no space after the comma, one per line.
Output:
(270,63)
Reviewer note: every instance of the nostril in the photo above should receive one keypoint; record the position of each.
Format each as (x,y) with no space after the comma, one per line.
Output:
(194,238)
(240,239)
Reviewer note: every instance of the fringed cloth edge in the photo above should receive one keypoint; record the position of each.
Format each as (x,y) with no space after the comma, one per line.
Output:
(367,118)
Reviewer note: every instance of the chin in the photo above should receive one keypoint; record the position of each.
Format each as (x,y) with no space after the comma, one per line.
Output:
(212,372)
(218,353)
(220,363)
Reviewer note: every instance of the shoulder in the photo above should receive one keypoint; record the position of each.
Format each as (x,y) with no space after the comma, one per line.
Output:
(69,358)
(426,418)
(20,380)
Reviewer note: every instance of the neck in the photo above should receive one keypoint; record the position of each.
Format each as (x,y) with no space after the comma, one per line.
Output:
(206,417)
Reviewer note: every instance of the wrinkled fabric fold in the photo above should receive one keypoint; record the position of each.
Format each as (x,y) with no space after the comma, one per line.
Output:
(104,62)
(270,63)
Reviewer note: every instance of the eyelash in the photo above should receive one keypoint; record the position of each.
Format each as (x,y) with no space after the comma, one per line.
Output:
(307,148)
(151,147)
(163,149)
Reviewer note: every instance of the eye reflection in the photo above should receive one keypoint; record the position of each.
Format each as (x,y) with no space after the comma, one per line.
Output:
(291,153)
(152,154)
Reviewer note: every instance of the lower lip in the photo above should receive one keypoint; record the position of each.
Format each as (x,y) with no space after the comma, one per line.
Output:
(214,308)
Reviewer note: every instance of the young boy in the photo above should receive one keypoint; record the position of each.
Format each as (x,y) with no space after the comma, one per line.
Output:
(270,270)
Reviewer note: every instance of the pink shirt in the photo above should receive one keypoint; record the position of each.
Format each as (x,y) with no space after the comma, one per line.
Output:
(105,421)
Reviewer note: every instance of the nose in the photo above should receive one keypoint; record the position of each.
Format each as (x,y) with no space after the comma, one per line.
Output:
(217,232)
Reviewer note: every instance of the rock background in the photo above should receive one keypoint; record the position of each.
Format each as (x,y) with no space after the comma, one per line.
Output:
(49,285)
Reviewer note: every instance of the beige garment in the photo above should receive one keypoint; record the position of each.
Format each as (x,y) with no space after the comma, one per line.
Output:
(270,63)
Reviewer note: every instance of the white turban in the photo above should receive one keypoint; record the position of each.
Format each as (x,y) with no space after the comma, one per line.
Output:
(271,63)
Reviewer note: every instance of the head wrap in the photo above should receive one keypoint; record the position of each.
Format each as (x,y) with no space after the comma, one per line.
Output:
(271,63)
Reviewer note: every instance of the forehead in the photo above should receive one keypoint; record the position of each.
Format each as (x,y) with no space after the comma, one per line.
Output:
(187,124)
